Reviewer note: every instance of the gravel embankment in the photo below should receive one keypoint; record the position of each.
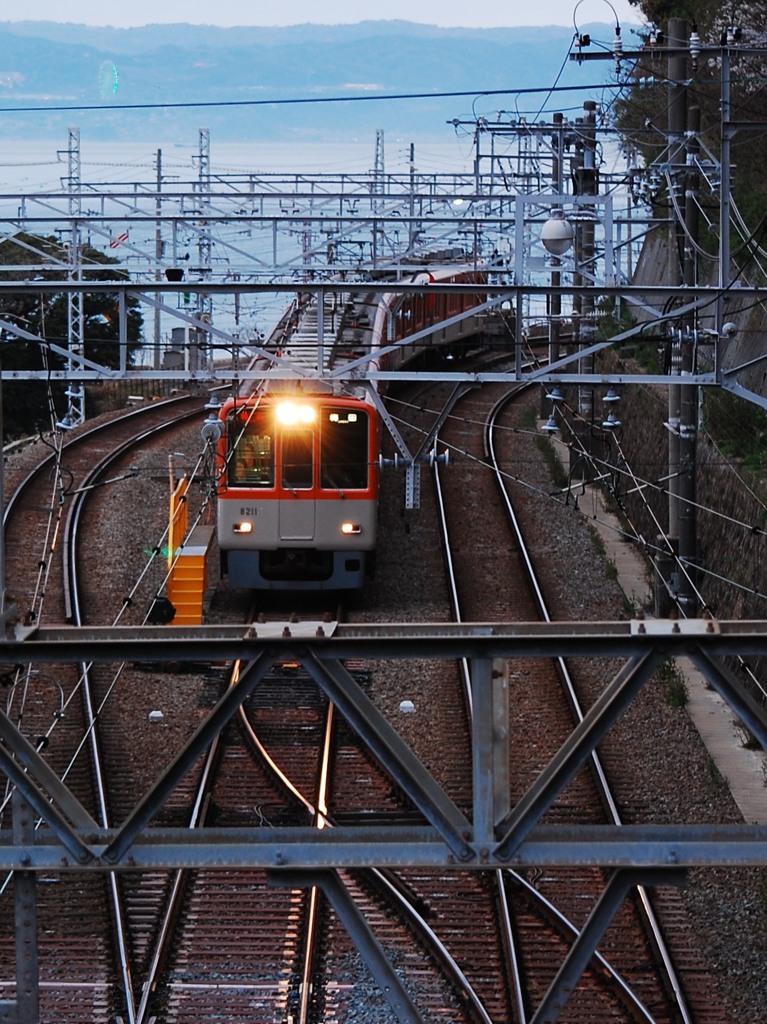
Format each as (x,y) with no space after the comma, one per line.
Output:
(673,776)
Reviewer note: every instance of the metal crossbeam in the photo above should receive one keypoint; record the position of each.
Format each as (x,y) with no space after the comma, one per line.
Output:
(576,750)
(213,725)
(397,847)
(495,834)
(585,946)
(393,753)
(443,641)
(361,934)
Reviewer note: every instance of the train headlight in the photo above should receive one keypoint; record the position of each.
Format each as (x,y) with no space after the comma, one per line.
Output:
(243,527)
(350,528)
(291,414)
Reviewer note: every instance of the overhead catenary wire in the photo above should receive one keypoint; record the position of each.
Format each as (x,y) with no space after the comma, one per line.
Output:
(640,486)
(298,100)
(366,98)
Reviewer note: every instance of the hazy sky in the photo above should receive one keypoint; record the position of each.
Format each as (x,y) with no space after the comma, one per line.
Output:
(292,12)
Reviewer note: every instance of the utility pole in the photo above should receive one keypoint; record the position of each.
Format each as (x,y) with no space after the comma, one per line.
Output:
(75,414)
(555,302)
(158,252)
(199,349)
(378,188)
(725,201)
(584,328)
(414,230)
(688,421)
(668,565)
(587,185)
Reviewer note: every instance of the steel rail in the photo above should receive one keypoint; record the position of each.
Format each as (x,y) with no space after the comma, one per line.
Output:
(177,889)
(74,614)
(508,938)
(602,782)
(383,879)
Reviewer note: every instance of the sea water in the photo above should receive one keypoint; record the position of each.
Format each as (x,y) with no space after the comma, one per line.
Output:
(36,167)
(39,166)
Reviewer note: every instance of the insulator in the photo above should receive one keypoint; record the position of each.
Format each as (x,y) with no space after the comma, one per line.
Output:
(694,45)
(550,426)
(212,429)
(618,47)
(433,458)
(582,40)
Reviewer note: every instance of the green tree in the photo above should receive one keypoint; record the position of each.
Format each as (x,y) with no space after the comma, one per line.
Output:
(641,114)
(27,258)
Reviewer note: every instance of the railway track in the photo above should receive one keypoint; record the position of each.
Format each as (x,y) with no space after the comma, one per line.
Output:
(180,938)
(634,978)
(461,941)
(58,709)
(302,963)
(170,957)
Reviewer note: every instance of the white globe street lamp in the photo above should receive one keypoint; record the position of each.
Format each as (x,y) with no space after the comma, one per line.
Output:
(557,233)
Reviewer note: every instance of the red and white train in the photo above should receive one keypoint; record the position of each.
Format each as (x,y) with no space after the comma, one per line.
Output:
(298,491)
(298,470)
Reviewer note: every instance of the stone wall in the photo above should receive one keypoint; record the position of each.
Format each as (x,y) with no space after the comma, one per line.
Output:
(732,542)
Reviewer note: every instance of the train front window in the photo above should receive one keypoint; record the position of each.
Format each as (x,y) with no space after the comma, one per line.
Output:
(297,459)
(252,461)
(344,449)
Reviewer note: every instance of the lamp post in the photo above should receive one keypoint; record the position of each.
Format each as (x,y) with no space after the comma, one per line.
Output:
(557,236)
(557,233)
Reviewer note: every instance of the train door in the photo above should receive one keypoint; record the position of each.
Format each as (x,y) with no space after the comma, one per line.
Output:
(297,509)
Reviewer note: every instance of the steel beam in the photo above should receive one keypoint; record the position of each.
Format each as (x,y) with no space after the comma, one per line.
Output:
(574,752)
(361,933)
(396,847)
(216,721)
(43,790)
(25,895)
(585,946)
(734,693)
(71,838)
(490,749)
(443,641)
(393,753)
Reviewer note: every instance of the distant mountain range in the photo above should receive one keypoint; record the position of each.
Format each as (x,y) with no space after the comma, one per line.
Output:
(304,82)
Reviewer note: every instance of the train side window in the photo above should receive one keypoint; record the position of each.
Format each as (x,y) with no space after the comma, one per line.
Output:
(344,449)
(297,459)
(252,461)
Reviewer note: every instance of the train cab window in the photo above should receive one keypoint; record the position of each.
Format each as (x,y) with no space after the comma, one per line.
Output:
(252,461)
(297,459)
(344,449)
